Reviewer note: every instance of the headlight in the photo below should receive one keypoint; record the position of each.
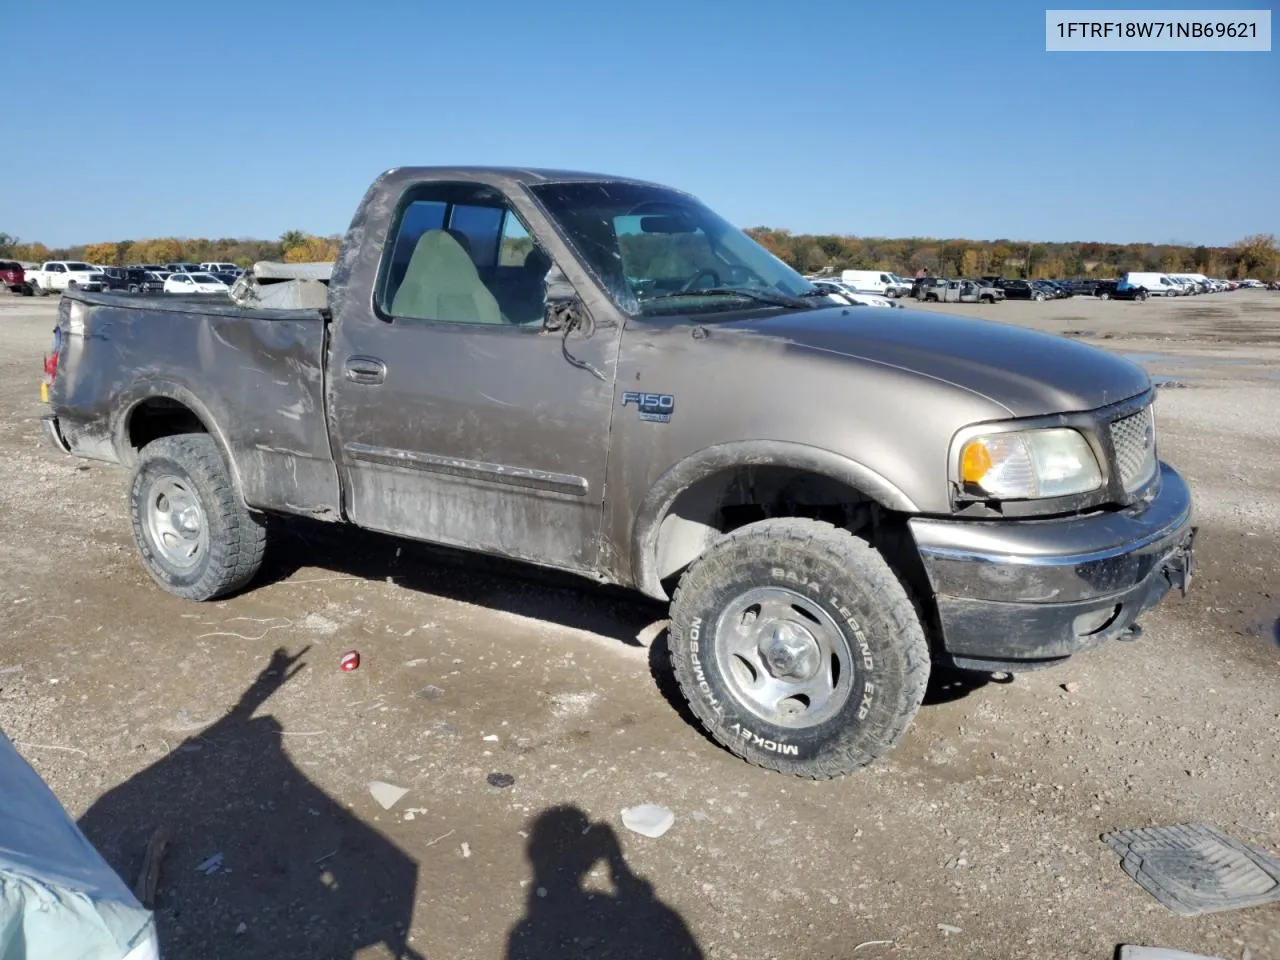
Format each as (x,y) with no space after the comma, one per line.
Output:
(1029,464)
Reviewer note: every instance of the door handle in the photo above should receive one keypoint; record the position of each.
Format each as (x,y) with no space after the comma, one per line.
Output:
(365,370)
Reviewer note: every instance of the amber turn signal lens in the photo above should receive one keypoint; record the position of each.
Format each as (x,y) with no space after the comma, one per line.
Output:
(975,462)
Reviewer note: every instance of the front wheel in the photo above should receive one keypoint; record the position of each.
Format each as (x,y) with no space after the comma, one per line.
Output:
(37,290)
(1039,298)
(798,648)
(1140,297)
(197,538)
(1104,295)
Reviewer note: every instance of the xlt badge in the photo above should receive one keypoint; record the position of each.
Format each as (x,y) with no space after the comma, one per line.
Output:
(655,407)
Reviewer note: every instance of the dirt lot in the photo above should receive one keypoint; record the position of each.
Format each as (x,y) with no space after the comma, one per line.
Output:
(978,837)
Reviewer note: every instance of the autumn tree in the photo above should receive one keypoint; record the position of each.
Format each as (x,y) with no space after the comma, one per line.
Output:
(1257,254)
(311,250)
(101,253)
(31,252)
(290,239)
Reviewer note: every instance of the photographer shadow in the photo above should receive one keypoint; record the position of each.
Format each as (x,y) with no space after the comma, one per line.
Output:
(564,920)
(263,863)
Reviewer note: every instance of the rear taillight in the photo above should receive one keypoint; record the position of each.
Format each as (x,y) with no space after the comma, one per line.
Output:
(51,364)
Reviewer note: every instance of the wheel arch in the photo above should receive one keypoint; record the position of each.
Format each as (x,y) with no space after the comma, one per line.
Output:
(155,409)
(683,513)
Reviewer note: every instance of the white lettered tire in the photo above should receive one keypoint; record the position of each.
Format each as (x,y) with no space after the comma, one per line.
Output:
(798,648)
(195,536)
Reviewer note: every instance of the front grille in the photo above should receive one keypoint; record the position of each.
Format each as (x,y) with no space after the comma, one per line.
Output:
(1134,440)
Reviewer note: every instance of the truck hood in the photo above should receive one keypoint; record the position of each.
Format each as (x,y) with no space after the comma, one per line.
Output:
(1027,372)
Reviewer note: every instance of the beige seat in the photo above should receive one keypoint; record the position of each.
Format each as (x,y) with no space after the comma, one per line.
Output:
(441,283)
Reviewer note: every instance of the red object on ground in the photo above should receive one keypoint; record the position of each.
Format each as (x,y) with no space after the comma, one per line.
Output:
(350,661)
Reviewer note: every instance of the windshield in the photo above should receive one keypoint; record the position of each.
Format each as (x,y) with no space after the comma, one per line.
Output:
(654,249)
(204,278)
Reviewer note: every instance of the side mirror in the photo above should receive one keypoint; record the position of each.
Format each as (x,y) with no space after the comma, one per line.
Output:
(563,309)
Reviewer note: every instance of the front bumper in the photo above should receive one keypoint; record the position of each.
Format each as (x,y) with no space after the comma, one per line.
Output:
(1028,593)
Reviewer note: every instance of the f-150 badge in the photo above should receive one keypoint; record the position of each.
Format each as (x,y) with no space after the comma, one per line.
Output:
(654,407)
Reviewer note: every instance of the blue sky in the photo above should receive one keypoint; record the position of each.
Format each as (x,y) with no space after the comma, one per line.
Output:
(891,119)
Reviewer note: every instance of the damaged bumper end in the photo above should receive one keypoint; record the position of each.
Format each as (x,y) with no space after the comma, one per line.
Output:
(53,433)
(1017,595)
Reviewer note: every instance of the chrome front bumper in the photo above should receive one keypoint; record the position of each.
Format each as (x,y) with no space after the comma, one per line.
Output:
(1036,591)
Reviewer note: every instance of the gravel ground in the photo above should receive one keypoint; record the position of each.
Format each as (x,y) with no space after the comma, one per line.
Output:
(977,837)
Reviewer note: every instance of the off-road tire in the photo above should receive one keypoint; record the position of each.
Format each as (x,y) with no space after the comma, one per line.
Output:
(848,579)
(237,537)
(37,290)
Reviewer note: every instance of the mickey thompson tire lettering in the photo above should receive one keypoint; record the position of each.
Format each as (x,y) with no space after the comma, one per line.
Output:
(849,580)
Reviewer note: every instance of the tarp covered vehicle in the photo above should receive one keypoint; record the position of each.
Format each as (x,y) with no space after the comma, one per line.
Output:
(58,897)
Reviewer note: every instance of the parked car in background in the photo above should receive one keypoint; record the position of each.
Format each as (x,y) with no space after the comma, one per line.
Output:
(996,293)
(881,282)
(1111,290)
(13,276)
(847,294)
(1156,284)
(227,278)
(1053,290)
(184,268)
(55,276)
(959,291)
(181,282)
(143,281)
(1082,287)
(1021,290)
(922,285)
(221,267)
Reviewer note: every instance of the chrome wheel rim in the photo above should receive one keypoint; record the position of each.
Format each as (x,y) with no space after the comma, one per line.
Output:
(783,657)
(175,522)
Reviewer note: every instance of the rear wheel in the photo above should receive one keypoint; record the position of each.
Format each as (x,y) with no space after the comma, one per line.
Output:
(1103,295)
(1039,297)
(37,290)
(197,538)
(1140,296)
(798,648)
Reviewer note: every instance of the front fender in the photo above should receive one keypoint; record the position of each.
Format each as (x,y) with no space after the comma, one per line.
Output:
(725,456)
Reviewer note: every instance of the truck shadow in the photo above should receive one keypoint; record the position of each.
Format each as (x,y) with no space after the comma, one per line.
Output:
(262,863)
(518,588)
(460,575)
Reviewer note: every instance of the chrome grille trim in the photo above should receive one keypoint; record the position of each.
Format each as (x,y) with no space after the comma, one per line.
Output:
(1133,442)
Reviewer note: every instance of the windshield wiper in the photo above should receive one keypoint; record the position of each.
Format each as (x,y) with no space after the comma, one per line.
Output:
(760,296)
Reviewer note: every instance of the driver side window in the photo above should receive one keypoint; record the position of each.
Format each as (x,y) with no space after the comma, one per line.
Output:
(459,253)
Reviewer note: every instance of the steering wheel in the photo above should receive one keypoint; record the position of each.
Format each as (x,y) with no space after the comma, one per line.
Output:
(691,283)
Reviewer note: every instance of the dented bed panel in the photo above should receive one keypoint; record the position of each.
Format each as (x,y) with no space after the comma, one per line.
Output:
(254,379)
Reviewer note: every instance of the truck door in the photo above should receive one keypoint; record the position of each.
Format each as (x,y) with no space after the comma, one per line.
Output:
(455,418)
(952,292)
(968,292)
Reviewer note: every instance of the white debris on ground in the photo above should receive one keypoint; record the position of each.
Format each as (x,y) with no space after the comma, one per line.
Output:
(648,819)
(387,794)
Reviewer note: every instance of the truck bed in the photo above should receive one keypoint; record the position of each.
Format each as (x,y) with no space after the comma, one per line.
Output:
(253,378)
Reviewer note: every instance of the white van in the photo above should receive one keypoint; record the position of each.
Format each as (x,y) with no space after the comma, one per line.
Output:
(1157,284)
(882,282)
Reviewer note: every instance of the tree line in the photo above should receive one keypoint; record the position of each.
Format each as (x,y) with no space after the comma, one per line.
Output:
(294,246)
(1255,256)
